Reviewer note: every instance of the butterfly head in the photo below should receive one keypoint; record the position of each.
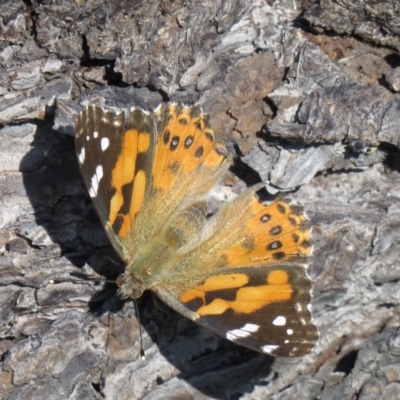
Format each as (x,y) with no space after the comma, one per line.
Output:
(129,286)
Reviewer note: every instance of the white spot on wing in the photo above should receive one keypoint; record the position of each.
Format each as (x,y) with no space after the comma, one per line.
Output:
(87,138)
(105,142)
(279,321)
(289,331)
(299,307)
(81,156)
(94,183)
(269,348)
(243,332)
(95,134)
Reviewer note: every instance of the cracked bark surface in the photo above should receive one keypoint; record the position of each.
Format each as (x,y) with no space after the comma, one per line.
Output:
(312,114)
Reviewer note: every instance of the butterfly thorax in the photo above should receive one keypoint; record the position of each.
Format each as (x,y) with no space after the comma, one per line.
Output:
(142,271)
(155,261)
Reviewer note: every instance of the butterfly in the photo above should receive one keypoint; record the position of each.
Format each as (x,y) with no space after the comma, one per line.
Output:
(240,272)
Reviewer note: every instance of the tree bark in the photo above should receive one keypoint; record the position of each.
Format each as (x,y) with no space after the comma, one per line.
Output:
(307,93)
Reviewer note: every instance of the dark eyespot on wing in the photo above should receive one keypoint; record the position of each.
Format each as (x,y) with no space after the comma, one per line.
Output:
(174,143)
(199,152)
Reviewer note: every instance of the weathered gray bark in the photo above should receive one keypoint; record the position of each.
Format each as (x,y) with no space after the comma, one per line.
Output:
(314,114)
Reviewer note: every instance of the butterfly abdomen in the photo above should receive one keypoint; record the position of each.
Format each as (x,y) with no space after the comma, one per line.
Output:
(186,225)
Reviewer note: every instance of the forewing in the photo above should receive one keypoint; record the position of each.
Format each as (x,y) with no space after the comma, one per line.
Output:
(115,157)
(265,308)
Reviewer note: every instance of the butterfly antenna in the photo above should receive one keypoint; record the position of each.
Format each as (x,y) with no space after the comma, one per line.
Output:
(142,355)
(55,281)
